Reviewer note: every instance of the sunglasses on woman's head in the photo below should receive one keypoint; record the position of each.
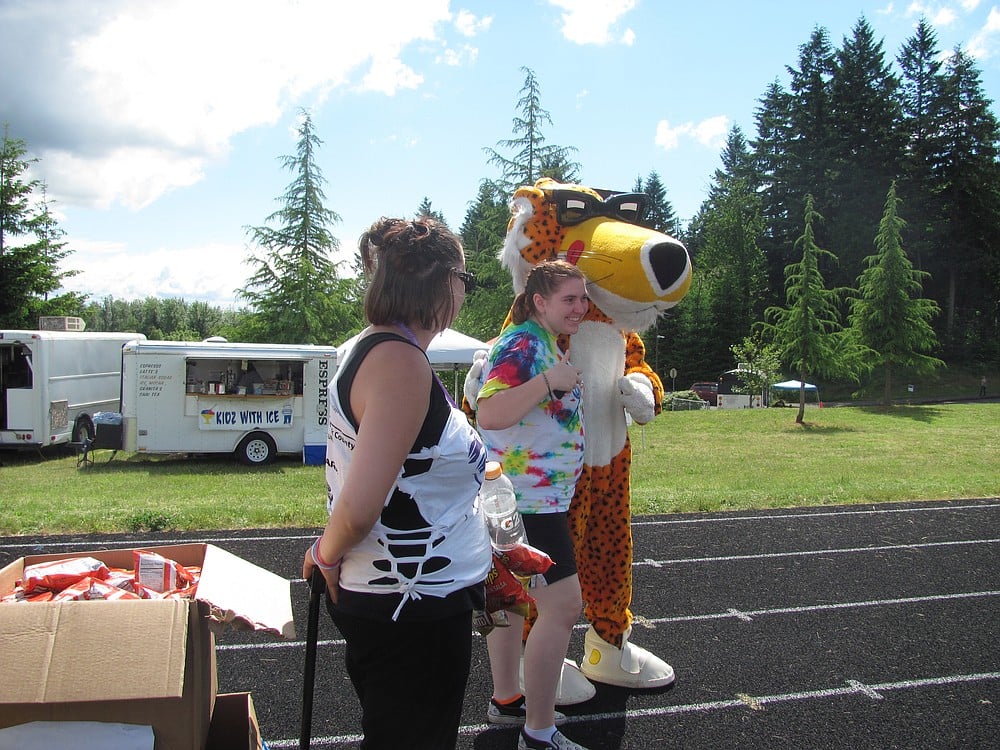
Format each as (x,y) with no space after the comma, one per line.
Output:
(467,278)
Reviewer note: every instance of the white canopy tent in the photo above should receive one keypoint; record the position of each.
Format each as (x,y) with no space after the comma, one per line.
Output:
(449,350)
(796,385)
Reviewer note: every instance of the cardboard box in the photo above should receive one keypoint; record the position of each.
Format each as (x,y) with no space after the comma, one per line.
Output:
(138,662)
(234,724)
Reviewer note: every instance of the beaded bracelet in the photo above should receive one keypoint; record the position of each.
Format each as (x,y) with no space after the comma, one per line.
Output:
(318,559)
(548,386)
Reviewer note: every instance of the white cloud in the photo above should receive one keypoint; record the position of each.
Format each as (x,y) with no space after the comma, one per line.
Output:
(206,273)
(944,17)
(983,44)
(140,89)
(710,133)
(466,55)
(592,21)
(468,25)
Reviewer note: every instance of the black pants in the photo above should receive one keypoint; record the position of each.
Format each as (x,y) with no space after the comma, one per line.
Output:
(410,678)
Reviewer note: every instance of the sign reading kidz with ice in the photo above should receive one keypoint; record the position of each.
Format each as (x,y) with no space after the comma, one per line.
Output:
(272,416)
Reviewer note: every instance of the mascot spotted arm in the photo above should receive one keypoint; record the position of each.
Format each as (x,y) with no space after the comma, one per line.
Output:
(633,274)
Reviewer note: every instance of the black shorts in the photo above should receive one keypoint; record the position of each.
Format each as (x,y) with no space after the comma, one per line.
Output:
(549,532)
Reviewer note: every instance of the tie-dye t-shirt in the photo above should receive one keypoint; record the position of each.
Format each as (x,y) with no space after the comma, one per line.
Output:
(542,455)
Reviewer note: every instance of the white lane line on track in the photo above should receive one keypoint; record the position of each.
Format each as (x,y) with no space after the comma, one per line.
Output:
(812,552)
(729,614)
(777,516)
(741,701)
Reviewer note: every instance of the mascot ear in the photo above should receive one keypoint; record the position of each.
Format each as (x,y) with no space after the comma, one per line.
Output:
(473,379)
(637,397)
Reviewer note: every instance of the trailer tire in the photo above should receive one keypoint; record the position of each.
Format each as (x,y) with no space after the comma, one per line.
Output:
(83,430)
(256,449)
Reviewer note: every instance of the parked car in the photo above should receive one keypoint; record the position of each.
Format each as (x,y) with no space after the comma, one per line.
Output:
(707,392)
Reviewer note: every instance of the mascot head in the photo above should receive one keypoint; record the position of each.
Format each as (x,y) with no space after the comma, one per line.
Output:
(633,273)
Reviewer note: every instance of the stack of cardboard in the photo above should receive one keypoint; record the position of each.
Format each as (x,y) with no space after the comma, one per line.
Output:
(147,662)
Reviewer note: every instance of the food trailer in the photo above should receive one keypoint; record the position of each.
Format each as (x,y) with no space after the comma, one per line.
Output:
(212,396)
(53,382)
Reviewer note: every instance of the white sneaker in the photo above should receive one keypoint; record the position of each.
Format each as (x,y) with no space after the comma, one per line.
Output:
(629,666)
(514,714)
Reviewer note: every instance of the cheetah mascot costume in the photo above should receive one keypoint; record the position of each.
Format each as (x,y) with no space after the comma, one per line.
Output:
(633,275)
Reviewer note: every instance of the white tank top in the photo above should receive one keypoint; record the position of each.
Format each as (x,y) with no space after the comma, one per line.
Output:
(431,537)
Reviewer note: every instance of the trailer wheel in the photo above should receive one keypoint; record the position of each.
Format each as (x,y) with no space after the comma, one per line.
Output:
(83,431)
(256,449)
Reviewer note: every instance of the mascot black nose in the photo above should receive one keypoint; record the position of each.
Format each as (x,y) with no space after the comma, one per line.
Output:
(669,261)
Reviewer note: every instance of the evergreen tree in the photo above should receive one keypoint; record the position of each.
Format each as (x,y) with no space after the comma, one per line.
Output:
(794,149)
(965,268)
(533,158)
(294,292)
(659,212)
(888,315)
(426,209)
(31,245)
(730,270)
(807,332)
(920,90)
(482,236)
(867,145)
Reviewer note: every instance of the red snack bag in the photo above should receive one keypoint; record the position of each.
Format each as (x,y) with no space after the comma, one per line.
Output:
(524,560)
(87,589)
(505,591)
(58,574)
(159,574)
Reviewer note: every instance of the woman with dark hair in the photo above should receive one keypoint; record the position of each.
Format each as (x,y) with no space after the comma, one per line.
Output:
(405,550)
(529,415)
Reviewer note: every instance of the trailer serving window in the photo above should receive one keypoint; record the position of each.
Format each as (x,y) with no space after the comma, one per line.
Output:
(244,377)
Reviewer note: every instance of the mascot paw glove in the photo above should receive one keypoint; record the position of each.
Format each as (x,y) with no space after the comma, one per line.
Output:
(637,397)
(473,379)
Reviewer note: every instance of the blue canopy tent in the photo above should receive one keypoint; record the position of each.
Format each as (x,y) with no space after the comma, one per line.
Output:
(794,385)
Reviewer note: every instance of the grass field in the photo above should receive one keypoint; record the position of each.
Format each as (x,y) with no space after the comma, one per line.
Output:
(682,462)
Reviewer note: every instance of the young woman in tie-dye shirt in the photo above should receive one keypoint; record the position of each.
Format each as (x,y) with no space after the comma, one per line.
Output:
(530,418)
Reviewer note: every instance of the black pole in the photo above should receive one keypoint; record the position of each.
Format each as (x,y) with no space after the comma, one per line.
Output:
(317,587)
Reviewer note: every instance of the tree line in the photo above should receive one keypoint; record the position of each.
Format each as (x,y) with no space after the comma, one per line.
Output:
(852,156)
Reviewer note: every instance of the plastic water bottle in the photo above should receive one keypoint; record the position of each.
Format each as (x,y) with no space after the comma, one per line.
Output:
(500,506)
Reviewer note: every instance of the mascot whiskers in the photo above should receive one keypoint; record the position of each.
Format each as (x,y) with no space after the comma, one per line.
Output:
(634,274)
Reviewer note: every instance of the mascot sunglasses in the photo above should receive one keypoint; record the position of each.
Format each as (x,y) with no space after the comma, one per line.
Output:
(574,207)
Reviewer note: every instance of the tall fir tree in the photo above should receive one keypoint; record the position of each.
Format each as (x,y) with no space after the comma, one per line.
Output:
(807,332)
(31,245)
(889,315)
(730,270)
(532,157)
(965,267)
(867,148)
(920,89)
(482,236)
(660,213)
(295,293)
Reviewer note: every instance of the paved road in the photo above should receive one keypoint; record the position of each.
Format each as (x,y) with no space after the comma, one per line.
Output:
(844,627)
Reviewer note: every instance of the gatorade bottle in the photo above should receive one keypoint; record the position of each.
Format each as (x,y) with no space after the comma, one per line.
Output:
(500,506)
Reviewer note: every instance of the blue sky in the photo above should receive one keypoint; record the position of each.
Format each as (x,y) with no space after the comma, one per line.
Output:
(159,126)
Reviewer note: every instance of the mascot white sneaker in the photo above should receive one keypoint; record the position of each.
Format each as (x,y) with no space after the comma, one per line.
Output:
(629,666)
(573,687)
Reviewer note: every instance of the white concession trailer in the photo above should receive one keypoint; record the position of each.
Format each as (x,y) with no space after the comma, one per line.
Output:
(252,400)
(53,382)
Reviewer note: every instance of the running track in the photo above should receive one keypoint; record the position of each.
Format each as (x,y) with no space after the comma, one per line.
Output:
(838,627)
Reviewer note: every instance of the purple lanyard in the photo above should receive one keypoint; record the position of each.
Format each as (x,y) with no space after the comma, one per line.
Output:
(412,337)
